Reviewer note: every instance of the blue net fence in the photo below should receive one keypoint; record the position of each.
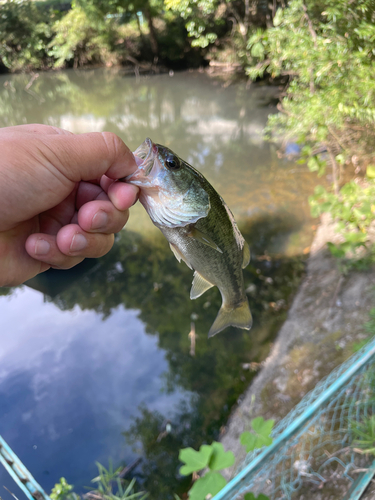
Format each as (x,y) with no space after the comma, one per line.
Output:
(315,442)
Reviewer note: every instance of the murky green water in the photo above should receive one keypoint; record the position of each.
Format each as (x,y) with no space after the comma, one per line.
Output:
(96,367)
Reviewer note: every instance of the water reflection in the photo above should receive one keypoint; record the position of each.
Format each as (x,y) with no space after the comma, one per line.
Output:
(60,380)
(98,366)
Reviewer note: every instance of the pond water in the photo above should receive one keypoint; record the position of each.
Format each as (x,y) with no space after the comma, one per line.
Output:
(95,361)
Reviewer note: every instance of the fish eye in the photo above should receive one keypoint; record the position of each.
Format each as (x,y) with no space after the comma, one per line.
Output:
(172,162)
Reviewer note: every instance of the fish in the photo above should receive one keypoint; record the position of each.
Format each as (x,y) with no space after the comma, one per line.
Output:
(199,227)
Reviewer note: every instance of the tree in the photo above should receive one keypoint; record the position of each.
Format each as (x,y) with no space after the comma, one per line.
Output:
(207,21)
(96,9)
(327,56)
(83,40)
(324,52)
(25,33)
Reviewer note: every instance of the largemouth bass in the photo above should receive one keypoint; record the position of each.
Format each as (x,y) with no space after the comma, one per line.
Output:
(199,226)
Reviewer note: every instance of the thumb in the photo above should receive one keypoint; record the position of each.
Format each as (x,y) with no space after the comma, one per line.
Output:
(89,156)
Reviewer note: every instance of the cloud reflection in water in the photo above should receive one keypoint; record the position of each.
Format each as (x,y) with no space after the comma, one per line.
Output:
(69,383)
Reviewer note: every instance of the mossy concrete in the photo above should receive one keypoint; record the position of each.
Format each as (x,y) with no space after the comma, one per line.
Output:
(325,321)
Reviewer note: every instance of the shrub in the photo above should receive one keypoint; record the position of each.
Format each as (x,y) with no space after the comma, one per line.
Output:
(82,40)
(25,32)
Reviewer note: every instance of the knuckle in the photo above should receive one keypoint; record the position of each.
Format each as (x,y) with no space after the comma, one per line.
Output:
(115,146)
(112,141)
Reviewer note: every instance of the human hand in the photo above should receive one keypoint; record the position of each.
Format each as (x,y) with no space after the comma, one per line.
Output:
(59,201)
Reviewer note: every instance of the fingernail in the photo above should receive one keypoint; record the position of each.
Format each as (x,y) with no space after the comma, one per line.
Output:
(100,220)
(42,247)
(79,242)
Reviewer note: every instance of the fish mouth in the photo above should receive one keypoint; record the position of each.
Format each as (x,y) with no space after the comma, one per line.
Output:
(145,156)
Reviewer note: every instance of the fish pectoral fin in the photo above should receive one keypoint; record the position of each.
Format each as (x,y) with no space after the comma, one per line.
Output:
(239,317)
(245,255)
(200,285)
(175,251)
(178,254)
(203,238)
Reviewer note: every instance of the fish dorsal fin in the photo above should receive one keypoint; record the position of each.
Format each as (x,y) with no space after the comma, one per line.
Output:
(203,238)
(245,255)
(200,285)
(178,254)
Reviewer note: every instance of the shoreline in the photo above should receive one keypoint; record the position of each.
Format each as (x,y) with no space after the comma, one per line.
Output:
(323,325)
(144,68)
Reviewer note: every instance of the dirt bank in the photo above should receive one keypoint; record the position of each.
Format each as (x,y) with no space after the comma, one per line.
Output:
(323,325)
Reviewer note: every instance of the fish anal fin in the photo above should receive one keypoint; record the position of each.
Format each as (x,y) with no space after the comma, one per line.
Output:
(245,255)
(203,238)
(178,254)
(199,286)
(239,316)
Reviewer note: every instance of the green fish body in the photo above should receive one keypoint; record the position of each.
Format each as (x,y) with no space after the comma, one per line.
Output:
(199,226)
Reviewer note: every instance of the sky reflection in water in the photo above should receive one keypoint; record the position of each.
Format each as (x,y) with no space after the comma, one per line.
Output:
(71,382)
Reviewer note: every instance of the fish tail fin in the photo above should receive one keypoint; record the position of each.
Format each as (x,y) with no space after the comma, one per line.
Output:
(239,316)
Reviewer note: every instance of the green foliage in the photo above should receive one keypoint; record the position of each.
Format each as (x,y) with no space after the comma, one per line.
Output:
(259,436)
(25,32)
(199,17)
(353,209)
(61,490)
(215,458)
(83,40)
(328,52)
(325,53)
(109,487)
(220,459)
(212,456)
(251,496)
(195,460)
(370,171)
(370,325)
(357,346)
(210,484)
(33,35)
(365,435)
(217,23)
